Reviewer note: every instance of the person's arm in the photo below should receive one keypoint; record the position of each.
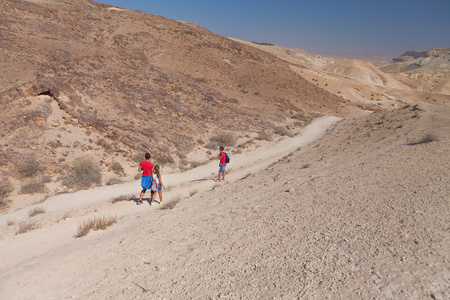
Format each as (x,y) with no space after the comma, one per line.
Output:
(160,181)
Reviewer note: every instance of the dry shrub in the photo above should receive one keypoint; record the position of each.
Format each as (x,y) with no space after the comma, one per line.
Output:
(138,176)
(66,215)
(83,173)
(98,223)
(280,130)
(195,164)
(122,198)
(172,203)
(28,168)
(10,222)
(117,168)
(113,181)
(5,189)
(33,186)
(265,135)
(139,157)
(428,138)
(193,192)
(36,211)
(27,226)
(223,139)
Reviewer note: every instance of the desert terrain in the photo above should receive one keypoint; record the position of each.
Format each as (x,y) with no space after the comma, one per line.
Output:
(338,185)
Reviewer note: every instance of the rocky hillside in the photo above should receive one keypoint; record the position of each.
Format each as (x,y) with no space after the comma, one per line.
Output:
(81,77)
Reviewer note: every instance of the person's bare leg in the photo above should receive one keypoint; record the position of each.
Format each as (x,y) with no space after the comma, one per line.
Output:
(141,196)
(160,196)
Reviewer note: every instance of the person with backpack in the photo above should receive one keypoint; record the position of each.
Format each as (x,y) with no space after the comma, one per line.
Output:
(223,160)
(157,185)
(146,167)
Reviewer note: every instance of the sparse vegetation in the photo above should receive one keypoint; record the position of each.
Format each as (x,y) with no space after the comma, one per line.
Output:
(5,189)
(83,173)
(122,198)
(29,168)
(428,138)
(172,203)
(36,211)
(193,192)
(138,176)
(283,131)
(33,186)
(27,226)
(113,181)
(10,222)
(224,139)
(195,164)
(117,168)
(98,223)
(265,135)
(201,80)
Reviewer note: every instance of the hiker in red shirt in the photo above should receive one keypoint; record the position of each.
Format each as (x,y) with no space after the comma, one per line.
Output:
(146,167)
(222,164)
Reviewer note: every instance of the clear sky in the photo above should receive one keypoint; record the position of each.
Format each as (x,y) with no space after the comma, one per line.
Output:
(375,27)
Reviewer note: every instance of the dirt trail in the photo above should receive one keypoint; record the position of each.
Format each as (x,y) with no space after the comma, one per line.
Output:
(200,178)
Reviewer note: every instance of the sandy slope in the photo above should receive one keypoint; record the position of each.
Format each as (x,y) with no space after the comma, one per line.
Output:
(359,214)
(80,203)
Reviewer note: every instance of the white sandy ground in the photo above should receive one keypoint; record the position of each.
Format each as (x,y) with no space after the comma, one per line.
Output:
(20,247)
(362,213)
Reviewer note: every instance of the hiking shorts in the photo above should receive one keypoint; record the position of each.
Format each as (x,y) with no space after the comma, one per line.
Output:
(222,169)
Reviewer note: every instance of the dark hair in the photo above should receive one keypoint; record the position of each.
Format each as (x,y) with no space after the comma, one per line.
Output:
(156,170)
(221,148)
(147,155)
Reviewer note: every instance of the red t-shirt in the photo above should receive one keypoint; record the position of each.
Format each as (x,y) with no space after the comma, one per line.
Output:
(222,159)
(147,167)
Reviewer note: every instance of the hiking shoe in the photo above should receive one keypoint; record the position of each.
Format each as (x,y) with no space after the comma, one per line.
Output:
(138,202)
(153,203)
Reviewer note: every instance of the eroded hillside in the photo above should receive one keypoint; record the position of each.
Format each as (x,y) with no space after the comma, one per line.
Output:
(81,77)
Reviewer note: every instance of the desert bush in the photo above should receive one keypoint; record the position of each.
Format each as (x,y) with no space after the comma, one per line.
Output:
(245,144)
(104,144)
(224,139)
(36,211)
(117,168)
(280,130)
(139,157)
(195,164)
(428,138)
(66,215)
(172,203)
(28,168)
(83,173)
(201,80)
(138,176)
(26,226)
(32,186)
(10,222)
(193,192)
(122,198)
(265,135)
(98,223)
(5,189)
(113,181)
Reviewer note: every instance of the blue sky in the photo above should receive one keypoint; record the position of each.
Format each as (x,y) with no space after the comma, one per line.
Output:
(375,27)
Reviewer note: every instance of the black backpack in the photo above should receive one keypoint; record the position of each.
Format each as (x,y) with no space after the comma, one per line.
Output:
(227,158)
